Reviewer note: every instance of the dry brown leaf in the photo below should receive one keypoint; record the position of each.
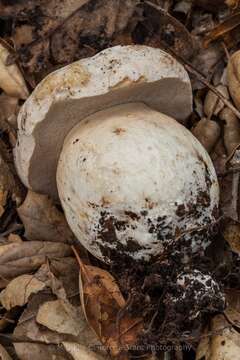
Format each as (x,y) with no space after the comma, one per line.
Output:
(223,342)
(11,79)
(19,290)
(9,109)
(102,302)
(47,341)
(166,31)
(64,31)
(233,75)
(21,258)
(42,220)
(59,316)
(3,354)
(231,234)
(207,132)
(231,130)
(212,104)
(222,29)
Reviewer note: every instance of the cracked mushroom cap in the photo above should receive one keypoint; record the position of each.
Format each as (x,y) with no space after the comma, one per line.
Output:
(132,180)
(117,75)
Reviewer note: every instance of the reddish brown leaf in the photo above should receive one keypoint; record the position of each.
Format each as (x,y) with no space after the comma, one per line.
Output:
(103,305)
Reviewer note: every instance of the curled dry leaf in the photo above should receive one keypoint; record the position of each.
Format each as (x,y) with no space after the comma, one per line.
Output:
(9,109)
(11,79)
(4,354)
(21,258)
(221,30)
(19,290)
(207,132)
(231,130)
(212,104)
(42,220)
(221,340)
(233,77)
(59,316)
(231,233)
(103,303)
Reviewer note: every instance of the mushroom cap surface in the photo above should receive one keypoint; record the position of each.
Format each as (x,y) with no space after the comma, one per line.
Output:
(132,179)
(114,76)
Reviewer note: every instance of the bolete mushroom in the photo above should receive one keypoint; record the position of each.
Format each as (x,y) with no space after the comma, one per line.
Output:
(101,134)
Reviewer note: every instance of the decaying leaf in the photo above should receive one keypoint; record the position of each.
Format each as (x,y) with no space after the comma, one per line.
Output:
(231,130)
(11,79)
(9,187)
(59,316)
(233,75)
(207,132)
(59,32)
(22,258)
(9,109)
(212,104)
(103,304)
(223,28)
(221,341)
(231,234)
(165,31)
(42,220)
(19,290)
(3,354)
(44,340)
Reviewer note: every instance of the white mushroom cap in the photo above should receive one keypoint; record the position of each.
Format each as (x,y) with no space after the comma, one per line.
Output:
(114,76)
(131,178)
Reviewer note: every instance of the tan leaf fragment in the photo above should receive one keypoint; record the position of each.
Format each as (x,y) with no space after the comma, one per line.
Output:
(42,220)
(18,291)
(21,258)
(231,234)
(59,316)
(11,79)
(221,341)
(29,329)
(3,354)
(233,77)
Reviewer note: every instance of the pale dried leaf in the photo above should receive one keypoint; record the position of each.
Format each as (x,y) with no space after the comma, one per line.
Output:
(9,109)
(11,79)
(30,351)
(3,354)
(233,75)
(28,328)
(42,220)
(21,258)
(59,316)
(223,342)
(231,234)
(19,290)
(80,352)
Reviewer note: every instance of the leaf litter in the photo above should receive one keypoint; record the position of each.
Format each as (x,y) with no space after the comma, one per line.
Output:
(126,310)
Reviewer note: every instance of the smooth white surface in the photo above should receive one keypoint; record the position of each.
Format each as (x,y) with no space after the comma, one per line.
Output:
(128,169)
